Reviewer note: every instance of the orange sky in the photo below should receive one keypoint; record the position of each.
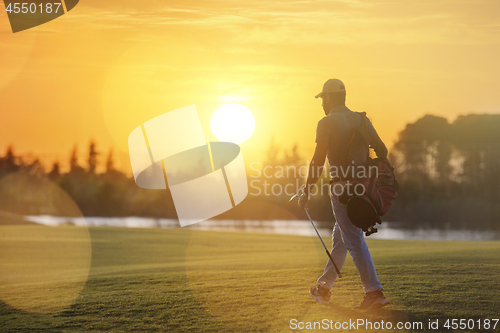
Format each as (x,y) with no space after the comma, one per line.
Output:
(107,66)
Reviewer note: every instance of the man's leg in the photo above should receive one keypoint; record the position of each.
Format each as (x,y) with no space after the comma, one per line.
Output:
(354,242)
(339,253)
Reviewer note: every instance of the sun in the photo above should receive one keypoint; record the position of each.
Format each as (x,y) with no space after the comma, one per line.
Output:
(232,122)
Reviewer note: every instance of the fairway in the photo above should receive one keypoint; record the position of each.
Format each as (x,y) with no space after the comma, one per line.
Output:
(183,280)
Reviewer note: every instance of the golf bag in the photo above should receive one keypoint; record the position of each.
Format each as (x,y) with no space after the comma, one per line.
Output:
(365,207)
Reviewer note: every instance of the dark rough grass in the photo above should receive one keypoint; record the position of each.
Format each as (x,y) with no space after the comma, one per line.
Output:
(181,280)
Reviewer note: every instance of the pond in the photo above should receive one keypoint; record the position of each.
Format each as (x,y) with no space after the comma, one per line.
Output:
(388,230)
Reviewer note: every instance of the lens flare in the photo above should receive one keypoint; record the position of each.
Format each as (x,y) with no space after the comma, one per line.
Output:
(42,268)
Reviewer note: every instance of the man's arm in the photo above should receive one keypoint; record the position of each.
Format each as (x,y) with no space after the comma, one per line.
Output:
(316,166)
(379,147)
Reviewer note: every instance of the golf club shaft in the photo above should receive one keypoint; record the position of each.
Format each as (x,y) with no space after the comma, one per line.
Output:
(324,246)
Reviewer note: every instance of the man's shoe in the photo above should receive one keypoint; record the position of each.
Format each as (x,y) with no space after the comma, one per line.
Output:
(373,300)
(320,295)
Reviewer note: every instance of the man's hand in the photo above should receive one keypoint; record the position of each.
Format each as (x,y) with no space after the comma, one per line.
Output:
(303,199)
(315,170)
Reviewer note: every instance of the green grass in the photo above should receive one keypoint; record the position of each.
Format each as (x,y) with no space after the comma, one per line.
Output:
(181,280)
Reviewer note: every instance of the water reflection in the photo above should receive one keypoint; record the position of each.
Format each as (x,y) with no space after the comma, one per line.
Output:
(388,230)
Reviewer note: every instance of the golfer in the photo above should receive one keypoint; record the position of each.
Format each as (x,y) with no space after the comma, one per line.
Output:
(332,139)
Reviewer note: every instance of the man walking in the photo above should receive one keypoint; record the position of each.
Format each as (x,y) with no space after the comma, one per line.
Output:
(333,136)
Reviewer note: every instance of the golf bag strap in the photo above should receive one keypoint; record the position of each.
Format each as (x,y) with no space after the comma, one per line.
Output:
(364,133)
(363,129)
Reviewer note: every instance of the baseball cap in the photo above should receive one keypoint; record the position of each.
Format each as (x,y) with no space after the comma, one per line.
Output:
(332,86)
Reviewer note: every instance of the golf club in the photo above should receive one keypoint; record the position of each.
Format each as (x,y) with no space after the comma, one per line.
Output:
(317,233)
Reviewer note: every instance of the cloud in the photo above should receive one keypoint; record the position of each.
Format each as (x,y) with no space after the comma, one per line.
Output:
(305,22)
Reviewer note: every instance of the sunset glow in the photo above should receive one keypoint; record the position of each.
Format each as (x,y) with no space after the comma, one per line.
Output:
(106,66)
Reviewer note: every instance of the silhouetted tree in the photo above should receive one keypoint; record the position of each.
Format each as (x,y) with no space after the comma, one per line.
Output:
(424,151)
(75,168)
(35,168)
(55,173)
(9,163)
(92,159)
(110,163)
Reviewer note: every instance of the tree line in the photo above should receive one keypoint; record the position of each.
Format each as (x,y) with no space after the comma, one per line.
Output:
(449,171)
(108,193)
(449,174)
